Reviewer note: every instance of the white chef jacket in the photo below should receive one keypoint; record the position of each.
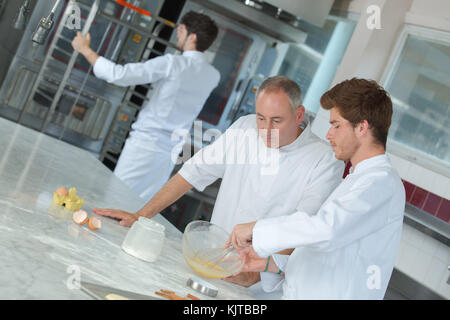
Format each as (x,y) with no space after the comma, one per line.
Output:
(181,85)
(348,249)
(299,176)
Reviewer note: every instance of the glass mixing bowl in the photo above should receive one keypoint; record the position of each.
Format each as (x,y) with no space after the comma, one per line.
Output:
(203,249)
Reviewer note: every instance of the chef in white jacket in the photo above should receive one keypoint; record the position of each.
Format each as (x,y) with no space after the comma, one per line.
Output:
(271,164)
(348,249)
(181,85)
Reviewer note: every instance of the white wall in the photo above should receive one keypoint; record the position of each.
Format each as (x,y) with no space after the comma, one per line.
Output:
(424,259)
(430,13)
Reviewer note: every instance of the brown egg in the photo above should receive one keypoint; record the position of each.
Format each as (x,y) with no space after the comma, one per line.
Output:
(62,191)
(80,217)
(94,223)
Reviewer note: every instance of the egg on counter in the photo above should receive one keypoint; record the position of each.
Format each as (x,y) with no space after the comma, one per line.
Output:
(94,223)
(69,199)
(80,217)
(62,191)
(59,196)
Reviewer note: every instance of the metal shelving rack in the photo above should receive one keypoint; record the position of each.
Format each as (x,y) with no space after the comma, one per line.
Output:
(129,109)
(50,118)
(43,75)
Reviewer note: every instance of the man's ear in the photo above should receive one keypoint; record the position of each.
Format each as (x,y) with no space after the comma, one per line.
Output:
(193,38)
(363,128)
(300,114)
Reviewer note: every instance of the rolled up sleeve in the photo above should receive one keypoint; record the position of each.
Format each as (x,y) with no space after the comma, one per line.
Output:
(206,166)
(209,164)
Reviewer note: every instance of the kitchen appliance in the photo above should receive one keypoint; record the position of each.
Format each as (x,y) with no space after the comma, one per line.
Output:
(242,54)
(45,25)
(22,16)
(2,6)
(52,89)
(239,53)
(309,10)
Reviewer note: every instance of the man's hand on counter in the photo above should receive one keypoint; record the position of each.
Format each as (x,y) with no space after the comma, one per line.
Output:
(126,218)
(176,187)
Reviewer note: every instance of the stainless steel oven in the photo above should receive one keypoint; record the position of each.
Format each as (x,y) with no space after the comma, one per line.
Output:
(52,89)
(236,53)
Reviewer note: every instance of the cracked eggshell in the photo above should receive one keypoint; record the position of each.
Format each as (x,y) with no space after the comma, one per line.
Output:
(94,223)
(80,217)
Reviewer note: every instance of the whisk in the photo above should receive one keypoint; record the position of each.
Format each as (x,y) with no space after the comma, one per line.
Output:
(214,256)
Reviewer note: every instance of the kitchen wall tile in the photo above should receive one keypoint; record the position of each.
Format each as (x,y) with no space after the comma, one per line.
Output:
(436,271)
(444,211)
(443,253)
(409,189)
(432,203)
(424,259)
(400,254)
(422,177)
(418,197)
(428,244)
(442,187)
(402,166)
(406,233)
(444,288)
(429,180)
(416,237)
(417,174)
(415,262)
(397,162)
(446,188)
(401,263)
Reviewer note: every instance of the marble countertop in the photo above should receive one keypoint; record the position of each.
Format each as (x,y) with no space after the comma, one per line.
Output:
(43,253)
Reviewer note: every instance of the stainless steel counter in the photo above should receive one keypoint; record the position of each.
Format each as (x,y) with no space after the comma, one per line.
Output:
(42,249)
(428,224)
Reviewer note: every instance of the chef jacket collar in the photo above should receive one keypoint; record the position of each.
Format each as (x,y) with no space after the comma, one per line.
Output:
(301,138)
(194,54)
(370,163)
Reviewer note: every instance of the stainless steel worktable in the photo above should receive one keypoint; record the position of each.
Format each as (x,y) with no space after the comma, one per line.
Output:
(41,248)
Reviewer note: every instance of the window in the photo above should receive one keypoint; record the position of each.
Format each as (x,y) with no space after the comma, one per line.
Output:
(313,64)
(418,80)
(300,65)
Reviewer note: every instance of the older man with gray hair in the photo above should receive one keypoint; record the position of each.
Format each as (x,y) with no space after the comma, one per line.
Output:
(277,166)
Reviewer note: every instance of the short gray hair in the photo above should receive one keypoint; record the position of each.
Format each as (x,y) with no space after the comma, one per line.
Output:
(290,87)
